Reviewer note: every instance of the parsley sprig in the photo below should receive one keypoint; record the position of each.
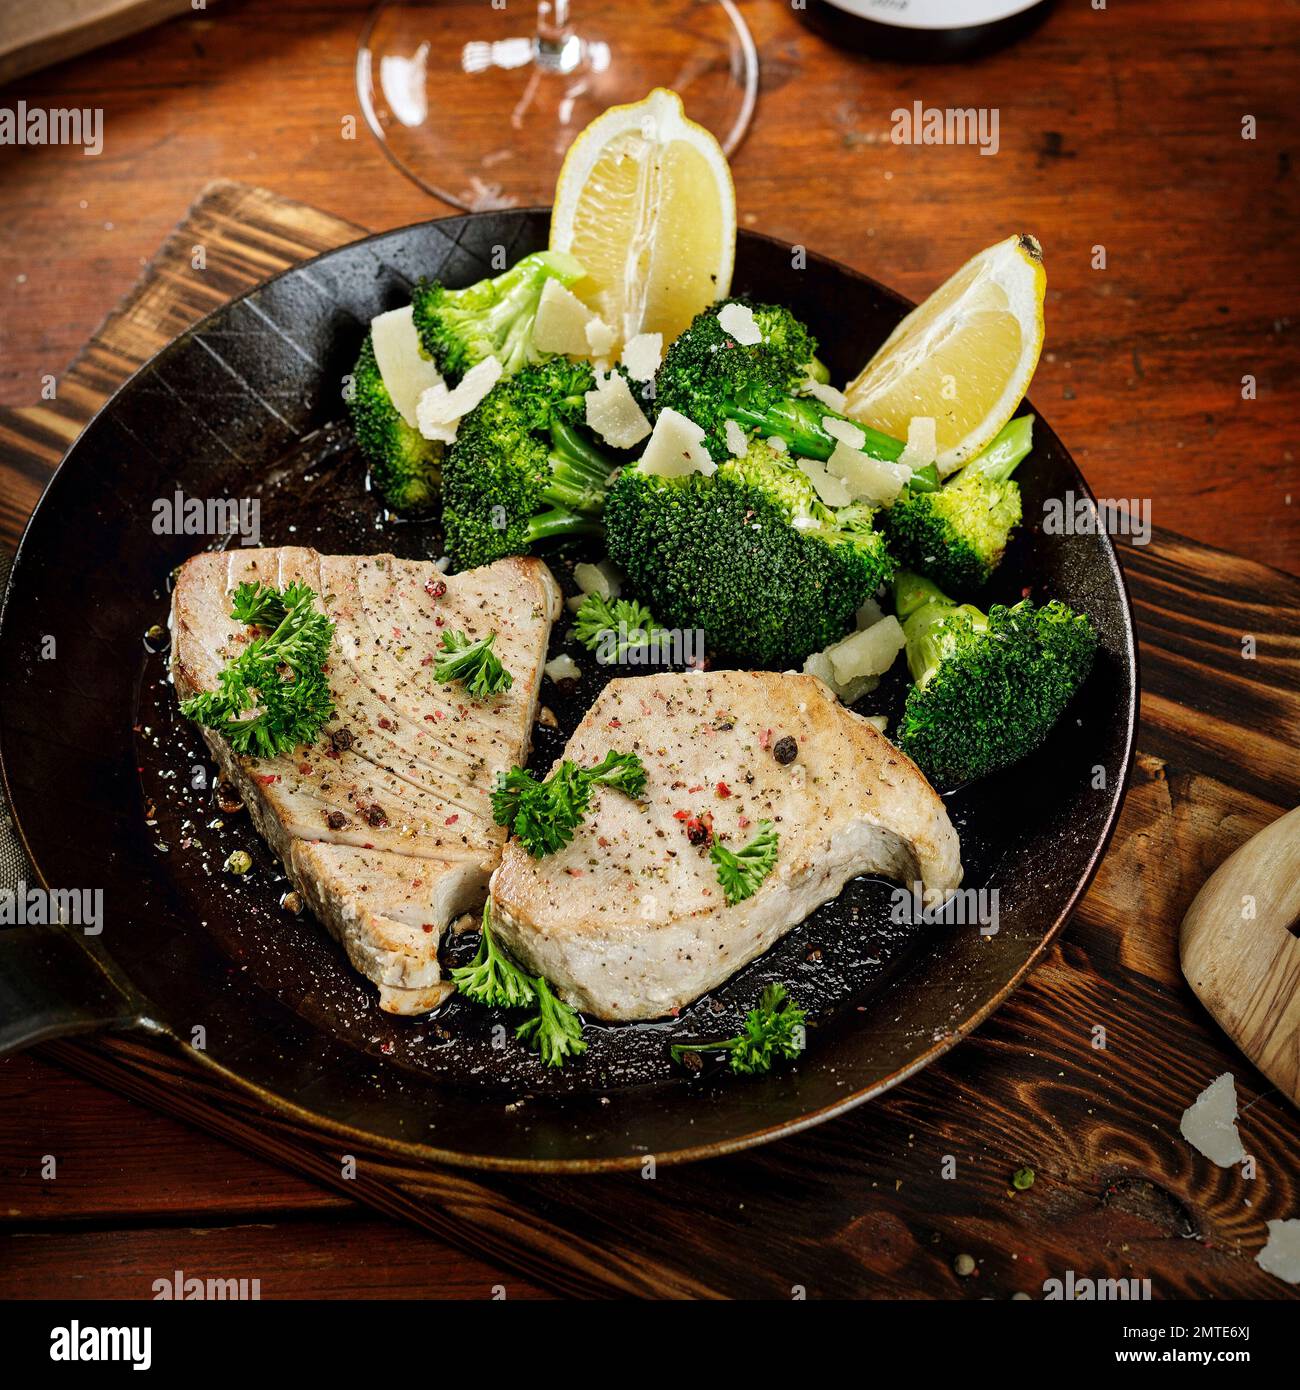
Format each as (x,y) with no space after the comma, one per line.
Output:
(273,696)
(474,664)
(554,1032)
(631,622)
(740,872)
(774,1031)
(542,815)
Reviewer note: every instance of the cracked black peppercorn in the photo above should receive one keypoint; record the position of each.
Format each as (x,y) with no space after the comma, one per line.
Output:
(786,750)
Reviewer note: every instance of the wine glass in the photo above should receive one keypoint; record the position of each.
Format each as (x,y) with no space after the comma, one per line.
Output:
(478,100)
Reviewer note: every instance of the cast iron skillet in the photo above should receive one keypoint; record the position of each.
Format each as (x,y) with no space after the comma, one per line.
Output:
(112,790)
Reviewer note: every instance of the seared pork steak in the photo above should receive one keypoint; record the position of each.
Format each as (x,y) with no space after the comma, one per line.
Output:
(629,921)
(384,824)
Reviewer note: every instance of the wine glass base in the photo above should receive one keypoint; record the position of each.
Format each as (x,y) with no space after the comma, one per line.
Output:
(466,101)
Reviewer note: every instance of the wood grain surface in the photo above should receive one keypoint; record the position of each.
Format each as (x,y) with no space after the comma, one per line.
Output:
(859,1206)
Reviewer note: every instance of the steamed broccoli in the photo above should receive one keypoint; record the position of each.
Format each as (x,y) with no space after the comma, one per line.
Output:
(748,553)
(957,533)
(404,465)
(710,378)
(493,318)
(520,471)
(988,688)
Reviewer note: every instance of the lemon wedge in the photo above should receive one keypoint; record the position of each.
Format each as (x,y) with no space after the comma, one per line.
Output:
(964,357)
(645,201)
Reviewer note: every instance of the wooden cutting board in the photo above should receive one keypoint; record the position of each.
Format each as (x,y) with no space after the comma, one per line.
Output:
(1082,1076)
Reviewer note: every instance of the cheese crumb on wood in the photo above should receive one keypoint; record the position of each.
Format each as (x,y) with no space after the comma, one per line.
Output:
(1281,1256)
(561,322)
(868,479)
(1209,1124)
(404,369)
(737,320)
(922,447)
(613,413)
(823,391)
(844,430)
(676,448)
(642,355)
(440,410)
(737,439)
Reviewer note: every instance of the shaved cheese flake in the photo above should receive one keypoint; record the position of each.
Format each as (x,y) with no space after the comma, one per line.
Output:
(603,579)
(878,722)
(738,321)
(406,372)
(441,410)
(844,430)
(819,665)
(561,322)
(830,489)
(737,439)
(642,355)
(1281,1256)
(774,441)
(600,337)
(823,391)
(870,652)
(613,413)
(676,448)
(868,479)
(922,447)
(563,668)
(1209,1124)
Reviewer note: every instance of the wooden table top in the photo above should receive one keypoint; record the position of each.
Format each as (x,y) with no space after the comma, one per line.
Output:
(1119,129)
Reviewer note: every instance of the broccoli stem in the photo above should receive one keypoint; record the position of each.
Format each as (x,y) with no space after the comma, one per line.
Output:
(798,420)
(558,522)
(1011,444)
(580,473)
(923,608)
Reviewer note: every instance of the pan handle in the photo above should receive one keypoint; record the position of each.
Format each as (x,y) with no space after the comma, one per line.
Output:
(53,984)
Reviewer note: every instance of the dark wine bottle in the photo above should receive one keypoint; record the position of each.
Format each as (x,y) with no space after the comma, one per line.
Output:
(921,31)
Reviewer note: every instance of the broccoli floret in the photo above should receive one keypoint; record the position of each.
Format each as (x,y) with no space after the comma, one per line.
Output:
(988,688)
(404,465)
(748,553)
(520,471)
(958,533)
(710,378)
(493,318)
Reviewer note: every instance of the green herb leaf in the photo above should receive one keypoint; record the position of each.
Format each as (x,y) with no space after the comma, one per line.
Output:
(273,697)
(492,978)
(773,1031)
(632,624)
(543,815)
(555,1031)
(474,664)
(740,872)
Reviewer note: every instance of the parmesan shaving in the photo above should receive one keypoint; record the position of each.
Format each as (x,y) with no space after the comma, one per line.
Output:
(830,489)
(922,447)
(602,579)
(737,439)
(404,369)
(613,413)
(844,430)
(563,668)
(441,410)
(676,448)
(1281,1256)
(823,391)
(561,322)
(737,320)
(600,337)
(1209,1124)
(866,478)
(642,355)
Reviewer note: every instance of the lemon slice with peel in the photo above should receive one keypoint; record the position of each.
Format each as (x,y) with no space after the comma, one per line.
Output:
(645,201)
(964,357)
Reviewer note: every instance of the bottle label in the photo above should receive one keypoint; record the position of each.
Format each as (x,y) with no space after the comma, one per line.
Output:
(934,14)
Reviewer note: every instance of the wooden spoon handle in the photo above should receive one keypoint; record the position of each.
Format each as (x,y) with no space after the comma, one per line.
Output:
(1240,953)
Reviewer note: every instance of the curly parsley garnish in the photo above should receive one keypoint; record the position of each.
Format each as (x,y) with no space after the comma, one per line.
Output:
(774,1031)
(474,664)
(542,815)
(273,696)
(740,872)
(630,623)
(554,1032)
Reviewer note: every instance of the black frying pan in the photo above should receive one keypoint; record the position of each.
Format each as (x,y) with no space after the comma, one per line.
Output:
(111,789)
